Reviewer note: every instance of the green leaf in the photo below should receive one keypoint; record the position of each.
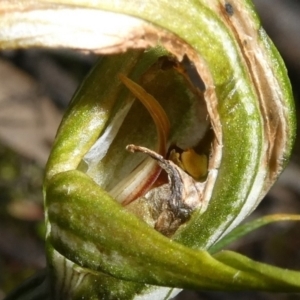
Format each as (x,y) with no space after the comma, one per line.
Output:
(282,280)
(246,228)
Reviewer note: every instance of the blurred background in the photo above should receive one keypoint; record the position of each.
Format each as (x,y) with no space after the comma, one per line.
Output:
(35,88)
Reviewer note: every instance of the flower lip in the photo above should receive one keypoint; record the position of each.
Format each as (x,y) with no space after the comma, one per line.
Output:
(171,204)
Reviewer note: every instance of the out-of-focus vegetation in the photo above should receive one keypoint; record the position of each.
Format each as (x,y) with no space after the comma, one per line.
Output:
(21,214)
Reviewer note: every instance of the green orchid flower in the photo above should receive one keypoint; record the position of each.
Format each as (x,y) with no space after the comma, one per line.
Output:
(199,94)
